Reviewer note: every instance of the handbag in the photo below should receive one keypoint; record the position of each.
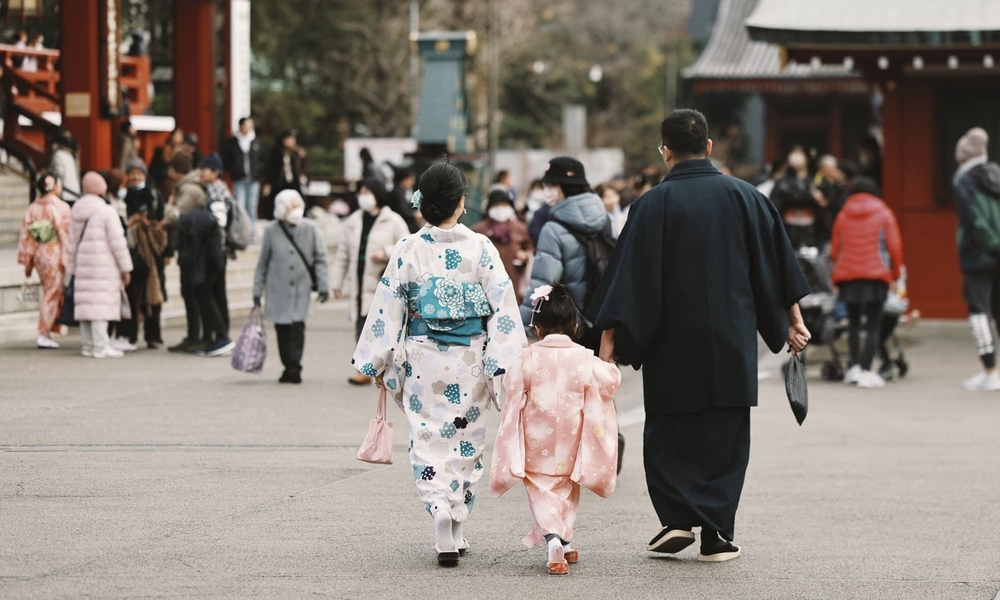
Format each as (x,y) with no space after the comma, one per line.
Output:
(28,294)
(126,313)
(377,445)
(67,315)
(251,345)
(309,267)
(796,389)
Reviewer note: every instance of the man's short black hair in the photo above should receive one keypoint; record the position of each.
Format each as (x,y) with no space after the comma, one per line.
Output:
(685,133)
(865,185)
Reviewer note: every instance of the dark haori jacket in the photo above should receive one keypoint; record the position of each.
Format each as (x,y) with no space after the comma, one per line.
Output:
(977,198)
(702,266)
(199,254)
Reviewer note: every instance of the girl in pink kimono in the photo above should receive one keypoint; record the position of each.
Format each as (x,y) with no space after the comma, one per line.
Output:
(42,248)
(559,428)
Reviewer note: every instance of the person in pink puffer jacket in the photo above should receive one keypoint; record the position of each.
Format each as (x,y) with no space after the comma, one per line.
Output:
(99,259)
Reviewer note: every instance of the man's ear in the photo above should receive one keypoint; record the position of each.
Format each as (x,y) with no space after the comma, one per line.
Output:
(708,149)
(668,157)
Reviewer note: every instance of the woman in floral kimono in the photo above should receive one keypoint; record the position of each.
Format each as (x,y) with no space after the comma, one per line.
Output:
(42,247)
(559,429)
(443,325)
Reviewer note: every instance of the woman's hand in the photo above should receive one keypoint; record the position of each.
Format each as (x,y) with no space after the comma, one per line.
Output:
(379,256)
(126,279)
(379,380)
(337,294)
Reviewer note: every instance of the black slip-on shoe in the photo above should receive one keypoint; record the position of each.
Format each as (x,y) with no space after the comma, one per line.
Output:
(671,540)
(720,553)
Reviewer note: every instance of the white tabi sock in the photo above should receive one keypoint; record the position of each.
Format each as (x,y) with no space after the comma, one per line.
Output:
(556,553)
(443,538)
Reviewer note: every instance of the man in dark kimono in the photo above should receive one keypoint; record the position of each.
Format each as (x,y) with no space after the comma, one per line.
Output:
(702,266)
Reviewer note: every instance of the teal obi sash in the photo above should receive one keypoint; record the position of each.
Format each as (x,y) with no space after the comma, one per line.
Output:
(447,311)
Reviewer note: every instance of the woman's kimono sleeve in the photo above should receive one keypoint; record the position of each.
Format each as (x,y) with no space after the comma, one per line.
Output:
(26,245)
(380,349)
(597,457)
(508,452)
(505,332)
(775,275)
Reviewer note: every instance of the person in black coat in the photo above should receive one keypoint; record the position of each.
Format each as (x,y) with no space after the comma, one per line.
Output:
(242,159)
(284,170)
(201,260)
(702,266)
(400,198)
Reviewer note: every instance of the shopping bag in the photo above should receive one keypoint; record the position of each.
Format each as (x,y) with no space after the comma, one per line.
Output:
(126,312)
(251,346)
(796,389)
(377,445)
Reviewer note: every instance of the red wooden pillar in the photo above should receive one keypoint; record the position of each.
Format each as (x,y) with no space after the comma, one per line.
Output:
(81,107)
(194,69)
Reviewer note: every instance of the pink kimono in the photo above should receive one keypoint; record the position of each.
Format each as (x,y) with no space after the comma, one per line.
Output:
(559,431)
(48,259)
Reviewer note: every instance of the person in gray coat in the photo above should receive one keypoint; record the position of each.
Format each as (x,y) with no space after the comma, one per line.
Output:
(559,256)
(292,262)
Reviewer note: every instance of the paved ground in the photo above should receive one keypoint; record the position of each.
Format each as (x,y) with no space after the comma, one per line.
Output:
(174,476)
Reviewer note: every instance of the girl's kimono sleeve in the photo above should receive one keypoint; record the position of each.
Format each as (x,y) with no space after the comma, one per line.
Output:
(508,451)
(505,331)
(597,457)
(381,345)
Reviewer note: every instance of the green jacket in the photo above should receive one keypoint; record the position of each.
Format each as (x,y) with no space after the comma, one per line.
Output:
(977,195)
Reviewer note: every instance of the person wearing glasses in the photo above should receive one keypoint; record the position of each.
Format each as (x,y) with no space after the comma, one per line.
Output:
(702,266)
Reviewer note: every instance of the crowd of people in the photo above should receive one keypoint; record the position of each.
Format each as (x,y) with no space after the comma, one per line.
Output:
(443,312)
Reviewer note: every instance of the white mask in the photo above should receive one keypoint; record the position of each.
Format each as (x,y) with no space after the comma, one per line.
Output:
(501,214)
(295,215)
(366,202)
(536,198)
(122,193)
(551,196)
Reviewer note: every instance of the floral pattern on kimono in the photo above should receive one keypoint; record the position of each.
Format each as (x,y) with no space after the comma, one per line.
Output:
(48,259)
(559,431)
(443,325)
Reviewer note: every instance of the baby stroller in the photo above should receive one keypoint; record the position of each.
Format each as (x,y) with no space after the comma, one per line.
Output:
(823,319)
(819,308)
(893,364)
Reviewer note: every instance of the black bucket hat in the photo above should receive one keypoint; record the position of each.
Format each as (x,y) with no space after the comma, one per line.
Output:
(565,170)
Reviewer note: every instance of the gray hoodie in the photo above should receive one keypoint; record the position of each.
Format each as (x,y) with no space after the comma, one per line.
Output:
(559,256)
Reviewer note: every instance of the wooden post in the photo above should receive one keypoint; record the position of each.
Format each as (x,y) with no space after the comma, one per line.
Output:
(194,70)
(81,109)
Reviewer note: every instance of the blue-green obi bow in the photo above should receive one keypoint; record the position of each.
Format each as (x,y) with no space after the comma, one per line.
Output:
(446,310)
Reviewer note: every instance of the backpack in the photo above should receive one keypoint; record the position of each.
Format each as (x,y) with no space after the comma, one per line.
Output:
(237,225)
(598,247)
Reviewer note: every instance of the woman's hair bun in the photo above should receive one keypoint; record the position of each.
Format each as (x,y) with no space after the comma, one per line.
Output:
(559,313)
(442,187)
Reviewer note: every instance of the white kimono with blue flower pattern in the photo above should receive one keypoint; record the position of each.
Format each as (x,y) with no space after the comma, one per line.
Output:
(443,325)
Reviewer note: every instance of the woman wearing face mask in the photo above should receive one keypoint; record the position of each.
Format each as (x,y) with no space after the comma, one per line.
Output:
(793,198)
(613,204)
(292,247)
(510,236)
(370,234)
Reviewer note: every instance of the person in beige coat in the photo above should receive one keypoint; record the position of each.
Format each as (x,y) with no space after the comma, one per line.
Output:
(369,236)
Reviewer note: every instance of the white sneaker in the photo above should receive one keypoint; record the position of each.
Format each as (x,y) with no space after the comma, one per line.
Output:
(46,343)
(982,382)
(870,380)
(124,345)
(108,353)
(87,353)
(853,375)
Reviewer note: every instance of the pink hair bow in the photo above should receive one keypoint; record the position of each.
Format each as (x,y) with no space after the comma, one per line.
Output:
(541,293)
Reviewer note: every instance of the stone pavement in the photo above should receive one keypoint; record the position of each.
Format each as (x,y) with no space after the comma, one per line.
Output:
(174,476)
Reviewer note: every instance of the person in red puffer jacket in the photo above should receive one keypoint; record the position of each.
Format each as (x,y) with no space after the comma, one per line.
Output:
(867,253)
